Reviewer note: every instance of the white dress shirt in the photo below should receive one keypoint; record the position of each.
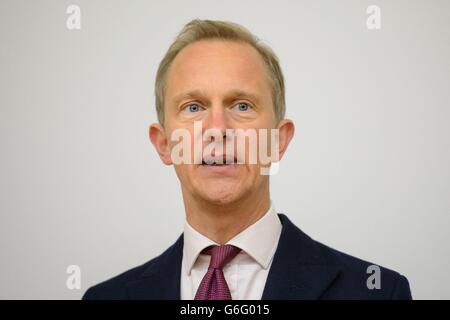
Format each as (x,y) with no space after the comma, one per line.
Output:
(246,274)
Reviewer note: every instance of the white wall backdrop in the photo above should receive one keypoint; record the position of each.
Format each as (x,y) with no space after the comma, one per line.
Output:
(367,172)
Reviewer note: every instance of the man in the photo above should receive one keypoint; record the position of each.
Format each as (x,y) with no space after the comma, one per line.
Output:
(234,246)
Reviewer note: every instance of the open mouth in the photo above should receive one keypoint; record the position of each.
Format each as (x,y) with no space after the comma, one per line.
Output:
(226,161)
(218,167)
(204,163)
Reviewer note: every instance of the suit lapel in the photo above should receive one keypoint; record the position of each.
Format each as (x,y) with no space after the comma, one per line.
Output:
(161,280)
(299,269)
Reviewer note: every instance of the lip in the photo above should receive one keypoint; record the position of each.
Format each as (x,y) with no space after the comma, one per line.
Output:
(225,158)
(222,169)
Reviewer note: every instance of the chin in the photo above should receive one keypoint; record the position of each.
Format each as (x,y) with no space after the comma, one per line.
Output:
(220,194)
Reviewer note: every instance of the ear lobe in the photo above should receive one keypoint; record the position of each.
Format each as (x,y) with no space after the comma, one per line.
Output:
(286,132)
(159,140)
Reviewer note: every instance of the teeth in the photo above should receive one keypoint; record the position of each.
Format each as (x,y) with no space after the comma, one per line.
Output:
(215,164)
(226,159)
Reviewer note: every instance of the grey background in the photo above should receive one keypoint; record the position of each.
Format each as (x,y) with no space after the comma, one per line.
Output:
(366,173)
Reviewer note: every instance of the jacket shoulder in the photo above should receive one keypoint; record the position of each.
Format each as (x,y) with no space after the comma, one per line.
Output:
(115,288)
(356,278)
(361,279)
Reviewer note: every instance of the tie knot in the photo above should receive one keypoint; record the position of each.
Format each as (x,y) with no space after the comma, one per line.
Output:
(221,255)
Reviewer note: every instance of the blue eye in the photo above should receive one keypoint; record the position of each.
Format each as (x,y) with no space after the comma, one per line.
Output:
(193,107)
(243,106)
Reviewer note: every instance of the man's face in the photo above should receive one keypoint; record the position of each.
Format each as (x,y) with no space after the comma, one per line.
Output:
(224,85)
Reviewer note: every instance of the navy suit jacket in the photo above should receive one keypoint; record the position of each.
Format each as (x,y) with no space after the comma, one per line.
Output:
(302,268)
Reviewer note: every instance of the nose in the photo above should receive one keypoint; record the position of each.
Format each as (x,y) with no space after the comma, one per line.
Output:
(216,119)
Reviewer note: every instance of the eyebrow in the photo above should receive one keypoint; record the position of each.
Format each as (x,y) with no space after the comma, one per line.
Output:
(229,96)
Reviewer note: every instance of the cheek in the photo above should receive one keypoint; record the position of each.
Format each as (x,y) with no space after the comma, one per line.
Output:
(185,174)
(179,171)
(181,137)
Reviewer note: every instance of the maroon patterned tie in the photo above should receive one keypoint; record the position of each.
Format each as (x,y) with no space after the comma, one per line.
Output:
(213,285)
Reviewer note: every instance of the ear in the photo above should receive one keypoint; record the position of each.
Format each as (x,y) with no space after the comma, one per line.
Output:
(286,131)
(159,140)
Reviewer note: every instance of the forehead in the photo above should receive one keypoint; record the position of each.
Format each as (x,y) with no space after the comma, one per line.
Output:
(216,66)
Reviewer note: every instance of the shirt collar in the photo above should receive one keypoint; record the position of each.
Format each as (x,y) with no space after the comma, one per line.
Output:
(260,248)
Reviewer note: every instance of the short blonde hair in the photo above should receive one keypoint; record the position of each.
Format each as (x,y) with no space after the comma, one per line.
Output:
(223,30)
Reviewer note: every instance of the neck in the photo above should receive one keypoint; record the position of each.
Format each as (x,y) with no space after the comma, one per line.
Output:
(221,222)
